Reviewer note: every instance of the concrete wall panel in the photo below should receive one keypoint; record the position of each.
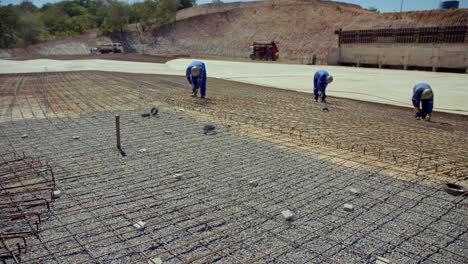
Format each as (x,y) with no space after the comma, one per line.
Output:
(333,56)
(446,56)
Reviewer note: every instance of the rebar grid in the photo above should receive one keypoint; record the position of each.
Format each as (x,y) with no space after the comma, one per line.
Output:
(393,143)
(140,215)
(26,187)
(212,214)
(450,34)
(357,131)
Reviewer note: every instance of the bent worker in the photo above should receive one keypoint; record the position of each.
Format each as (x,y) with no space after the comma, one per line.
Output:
(423,101)
(321,80)
(196,76)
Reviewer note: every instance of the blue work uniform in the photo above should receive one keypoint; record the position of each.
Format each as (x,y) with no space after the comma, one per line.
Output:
(200,80)
(320,84)
(425,105)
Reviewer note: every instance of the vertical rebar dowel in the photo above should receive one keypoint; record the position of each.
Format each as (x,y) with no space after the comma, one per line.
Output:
(419,161)
(117,129)
(46,93)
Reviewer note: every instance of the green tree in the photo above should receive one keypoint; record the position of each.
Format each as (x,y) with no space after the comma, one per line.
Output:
(27,6)
(165,12)
(30,29)
(8,24)
(25,24)
(115,17)
(154,13)
(18,26)
(80,24)
(66,19)
(99,10)
(55,20)
(71,9)
(186,4)
(146,13)
(94,6)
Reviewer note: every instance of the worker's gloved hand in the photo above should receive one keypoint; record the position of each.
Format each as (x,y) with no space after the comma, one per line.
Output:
(417,110)
(428,118)
(195,93)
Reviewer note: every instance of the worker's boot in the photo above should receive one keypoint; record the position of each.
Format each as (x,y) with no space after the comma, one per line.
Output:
(195,94)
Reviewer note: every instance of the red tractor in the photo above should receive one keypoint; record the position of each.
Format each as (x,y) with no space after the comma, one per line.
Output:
(264,51)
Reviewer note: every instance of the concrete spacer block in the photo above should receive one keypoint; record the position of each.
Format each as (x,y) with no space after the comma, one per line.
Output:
(24,136)
(381,260)
(253,183)
(56,194)
(348,207)
(76,137)
(288,215)
(354,191)
(177,176)
(140,225)
(156,260)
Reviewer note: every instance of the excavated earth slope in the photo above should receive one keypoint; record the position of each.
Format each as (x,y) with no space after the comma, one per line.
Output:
(302,28)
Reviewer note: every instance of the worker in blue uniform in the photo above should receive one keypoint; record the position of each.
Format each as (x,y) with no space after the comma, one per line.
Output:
(196,76)
(423,101)
(321,80)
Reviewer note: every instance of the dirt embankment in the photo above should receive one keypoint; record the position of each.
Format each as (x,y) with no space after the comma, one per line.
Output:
(78,45)
(302,28)
(224,7)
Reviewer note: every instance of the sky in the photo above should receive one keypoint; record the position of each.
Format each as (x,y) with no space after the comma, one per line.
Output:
(381,5)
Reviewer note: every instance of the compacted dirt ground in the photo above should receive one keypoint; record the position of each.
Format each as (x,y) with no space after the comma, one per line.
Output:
(112,56)
(218,196)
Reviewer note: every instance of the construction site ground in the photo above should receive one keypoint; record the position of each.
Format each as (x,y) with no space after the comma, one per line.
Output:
(219,196)
(110,56)
(386,86)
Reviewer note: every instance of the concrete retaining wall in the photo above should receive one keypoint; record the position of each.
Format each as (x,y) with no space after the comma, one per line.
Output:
(454,56)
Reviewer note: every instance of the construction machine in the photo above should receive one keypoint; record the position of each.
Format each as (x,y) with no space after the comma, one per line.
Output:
(110,47)
(264,51)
